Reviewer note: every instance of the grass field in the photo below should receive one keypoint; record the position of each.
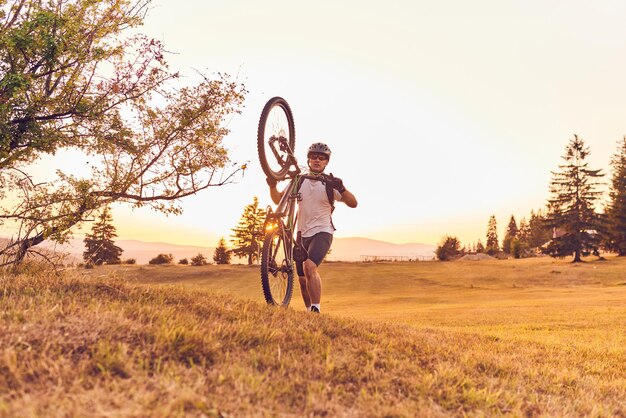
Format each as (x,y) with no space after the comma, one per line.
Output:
(533,337)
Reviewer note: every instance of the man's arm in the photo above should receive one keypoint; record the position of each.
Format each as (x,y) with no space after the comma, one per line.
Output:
(274,193)
(348,198)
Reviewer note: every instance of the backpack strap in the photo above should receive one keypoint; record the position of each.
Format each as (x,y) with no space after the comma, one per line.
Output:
(300,181)
(330,192)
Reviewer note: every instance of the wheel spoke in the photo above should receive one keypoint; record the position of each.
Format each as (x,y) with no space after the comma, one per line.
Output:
(276,131)
(276,138)
(276,275)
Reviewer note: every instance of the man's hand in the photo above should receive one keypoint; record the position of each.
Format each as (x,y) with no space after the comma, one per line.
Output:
(271,182)
(336,183)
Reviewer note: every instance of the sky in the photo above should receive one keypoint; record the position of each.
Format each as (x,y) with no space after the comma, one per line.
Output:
(439,114)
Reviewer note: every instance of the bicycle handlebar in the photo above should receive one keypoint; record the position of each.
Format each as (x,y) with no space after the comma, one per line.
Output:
(323,177)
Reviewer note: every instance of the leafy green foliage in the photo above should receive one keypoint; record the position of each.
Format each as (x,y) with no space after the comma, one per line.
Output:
(72,79)
(248,234)
(100,247)
(572,214)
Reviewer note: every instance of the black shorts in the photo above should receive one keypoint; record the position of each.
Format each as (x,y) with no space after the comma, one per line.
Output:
(317,247)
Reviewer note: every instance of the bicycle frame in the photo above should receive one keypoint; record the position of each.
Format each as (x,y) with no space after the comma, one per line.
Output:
(285,216)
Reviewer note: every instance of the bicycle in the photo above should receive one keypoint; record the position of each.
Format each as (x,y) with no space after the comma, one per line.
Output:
(276,138)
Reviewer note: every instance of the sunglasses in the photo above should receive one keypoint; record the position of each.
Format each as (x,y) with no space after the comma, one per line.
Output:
(320,157)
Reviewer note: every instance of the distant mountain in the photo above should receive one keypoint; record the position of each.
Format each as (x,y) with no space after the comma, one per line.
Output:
(343,249)
(141,251)
(353,249)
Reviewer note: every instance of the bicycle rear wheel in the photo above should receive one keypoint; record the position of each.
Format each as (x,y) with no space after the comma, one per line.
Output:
(276,270)
(276,138)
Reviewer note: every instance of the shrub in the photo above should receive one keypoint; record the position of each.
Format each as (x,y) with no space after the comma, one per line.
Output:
(162,259)
(199,260)
(130,261)
(183,261)
(448,249)
(518,248)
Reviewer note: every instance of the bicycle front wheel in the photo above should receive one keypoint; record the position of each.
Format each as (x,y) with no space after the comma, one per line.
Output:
(276,269)
(276,138)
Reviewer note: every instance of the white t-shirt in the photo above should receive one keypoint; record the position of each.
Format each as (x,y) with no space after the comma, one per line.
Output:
(314,210)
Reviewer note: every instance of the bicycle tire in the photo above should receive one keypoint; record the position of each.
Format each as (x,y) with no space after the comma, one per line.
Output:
(276,277)
(279,172)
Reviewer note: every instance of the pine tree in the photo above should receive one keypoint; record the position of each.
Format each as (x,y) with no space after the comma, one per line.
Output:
(248,235)
(509,235)
(615,237)
(221,255)
(523,232)
(480,248)
(539,232)
(99,245)
(572,215)
(492,246)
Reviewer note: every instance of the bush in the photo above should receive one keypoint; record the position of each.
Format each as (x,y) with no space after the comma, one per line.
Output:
(518,248)
(199,260)
(130,261)
(162,259)
(448,249)
(183,261)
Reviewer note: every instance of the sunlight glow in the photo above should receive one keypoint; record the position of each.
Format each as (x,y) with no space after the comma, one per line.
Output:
(439,114)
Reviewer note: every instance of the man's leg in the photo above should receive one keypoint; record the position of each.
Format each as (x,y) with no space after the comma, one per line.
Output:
(313,282)
(305,292)
(317,247)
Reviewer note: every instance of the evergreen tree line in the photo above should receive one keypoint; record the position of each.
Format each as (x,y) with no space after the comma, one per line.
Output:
(523,240)
(572,224)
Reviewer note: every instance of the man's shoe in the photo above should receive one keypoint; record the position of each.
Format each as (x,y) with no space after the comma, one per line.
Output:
(314,309)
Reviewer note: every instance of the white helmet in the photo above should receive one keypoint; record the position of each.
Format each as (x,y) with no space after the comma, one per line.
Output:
(319,148)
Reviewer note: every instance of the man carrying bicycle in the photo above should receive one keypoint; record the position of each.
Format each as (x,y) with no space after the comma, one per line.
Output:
(315,227)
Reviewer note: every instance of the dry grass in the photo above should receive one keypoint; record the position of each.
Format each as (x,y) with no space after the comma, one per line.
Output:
(519,337)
